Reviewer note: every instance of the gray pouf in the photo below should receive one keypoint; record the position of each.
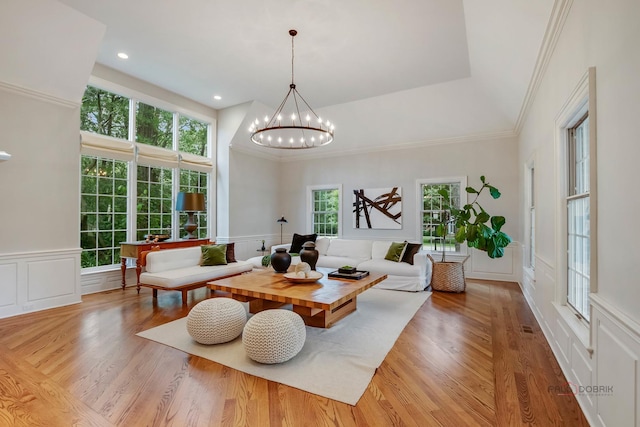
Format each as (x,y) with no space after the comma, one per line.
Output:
(274,336)
(216,320)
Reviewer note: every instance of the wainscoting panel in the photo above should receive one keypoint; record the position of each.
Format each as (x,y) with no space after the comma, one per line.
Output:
(106,280)
(36,281)
(8,284)
(617,352)
(41,284)
(480,266)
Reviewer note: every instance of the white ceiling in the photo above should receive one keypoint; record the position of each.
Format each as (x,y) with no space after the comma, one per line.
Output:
(450,67)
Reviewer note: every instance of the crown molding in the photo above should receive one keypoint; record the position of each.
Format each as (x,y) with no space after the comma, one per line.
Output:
(479,137)
(255,153)
(41,96)
(558,17)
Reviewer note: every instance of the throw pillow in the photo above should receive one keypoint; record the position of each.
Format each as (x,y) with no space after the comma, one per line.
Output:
(231,253)
(412,249)
(395,252)
(299,240)
(213,255)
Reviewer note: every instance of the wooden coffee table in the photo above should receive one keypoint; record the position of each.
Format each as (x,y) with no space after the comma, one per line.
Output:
(320,304)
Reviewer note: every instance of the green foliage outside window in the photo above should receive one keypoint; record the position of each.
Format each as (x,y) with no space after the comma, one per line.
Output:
(103,210)
(104,113)
(154,126)
(195,182)
(326,208)
(192,136)
(105,185)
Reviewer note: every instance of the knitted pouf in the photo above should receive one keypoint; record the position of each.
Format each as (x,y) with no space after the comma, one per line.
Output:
(216,320)
(274,336)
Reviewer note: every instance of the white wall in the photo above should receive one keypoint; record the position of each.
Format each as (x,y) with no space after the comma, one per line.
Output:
(497,159)
(47,52)
(603,35)
(39,215)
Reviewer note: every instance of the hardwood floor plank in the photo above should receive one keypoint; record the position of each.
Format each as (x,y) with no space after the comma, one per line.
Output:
(463,360)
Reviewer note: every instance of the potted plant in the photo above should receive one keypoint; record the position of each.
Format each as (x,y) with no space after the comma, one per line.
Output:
(474,225)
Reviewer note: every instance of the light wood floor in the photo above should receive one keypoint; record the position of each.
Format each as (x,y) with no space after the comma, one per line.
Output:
(464,360)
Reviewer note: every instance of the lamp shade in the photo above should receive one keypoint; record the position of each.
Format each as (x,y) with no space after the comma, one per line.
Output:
(190,202)
(281,220)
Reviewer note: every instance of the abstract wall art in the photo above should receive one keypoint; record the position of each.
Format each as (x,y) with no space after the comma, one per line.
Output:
(377,208)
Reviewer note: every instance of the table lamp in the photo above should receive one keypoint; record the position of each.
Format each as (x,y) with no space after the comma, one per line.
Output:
(190,203)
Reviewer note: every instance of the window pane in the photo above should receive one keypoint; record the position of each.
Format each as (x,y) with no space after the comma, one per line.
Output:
(152,194)
(100,217)
(104,113)
(325,214)
(578,251)
(433,210)
(578,221)
(192,136)
(154,126)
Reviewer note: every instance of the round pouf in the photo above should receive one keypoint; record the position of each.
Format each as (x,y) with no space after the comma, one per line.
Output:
(274,336)
(216,320)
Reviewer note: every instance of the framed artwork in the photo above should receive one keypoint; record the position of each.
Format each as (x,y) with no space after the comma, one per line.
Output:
(377,208)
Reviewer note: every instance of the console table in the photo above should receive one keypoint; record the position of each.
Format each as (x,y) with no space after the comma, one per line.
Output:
(135,250)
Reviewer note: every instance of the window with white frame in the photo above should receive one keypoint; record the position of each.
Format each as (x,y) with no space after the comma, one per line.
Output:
(578,217)
(135,158)
(103,210)
(433,207)
(196,182)
(324,204)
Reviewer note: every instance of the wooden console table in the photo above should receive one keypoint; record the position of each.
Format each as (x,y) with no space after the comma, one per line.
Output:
(135,250)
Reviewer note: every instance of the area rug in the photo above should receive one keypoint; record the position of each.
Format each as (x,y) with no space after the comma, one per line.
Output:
(337,363)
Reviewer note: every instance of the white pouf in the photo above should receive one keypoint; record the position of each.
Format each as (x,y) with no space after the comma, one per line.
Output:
(216,320)
(274,336)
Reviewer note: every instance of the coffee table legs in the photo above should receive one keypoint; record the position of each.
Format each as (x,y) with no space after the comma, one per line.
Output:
(315,317)
(325,318)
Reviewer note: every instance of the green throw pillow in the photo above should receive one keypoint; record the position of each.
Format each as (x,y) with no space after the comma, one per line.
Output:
(213,255)
(395,252)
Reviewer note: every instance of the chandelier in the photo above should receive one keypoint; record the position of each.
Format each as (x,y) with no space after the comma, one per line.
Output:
(288,128)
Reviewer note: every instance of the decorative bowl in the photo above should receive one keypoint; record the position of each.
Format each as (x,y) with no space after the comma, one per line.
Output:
(312,276)
(347,270)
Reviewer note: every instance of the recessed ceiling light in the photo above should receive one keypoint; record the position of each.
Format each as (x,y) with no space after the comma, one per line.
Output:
(123,55)
(217,97)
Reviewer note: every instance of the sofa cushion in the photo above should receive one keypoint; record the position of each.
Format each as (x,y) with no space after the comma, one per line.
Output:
(231,252)
(329,261)
(194,274)
(322,244)
(299,240)
(173,258)
(412,249)
(358,249)
(395,252)
(213,255)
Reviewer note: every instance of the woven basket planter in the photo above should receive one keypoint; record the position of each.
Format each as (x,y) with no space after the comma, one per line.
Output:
(448,276)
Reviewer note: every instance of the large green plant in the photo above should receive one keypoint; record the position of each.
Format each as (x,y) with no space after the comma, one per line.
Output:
(473,224)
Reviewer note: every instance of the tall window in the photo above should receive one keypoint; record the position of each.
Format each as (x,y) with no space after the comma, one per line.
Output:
(103,210)
(196,182)
(154,201)
(325,211)
(578,221)
(432,208)
(130,177)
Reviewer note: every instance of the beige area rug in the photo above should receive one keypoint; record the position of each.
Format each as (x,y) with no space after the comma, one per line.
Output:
(337,362)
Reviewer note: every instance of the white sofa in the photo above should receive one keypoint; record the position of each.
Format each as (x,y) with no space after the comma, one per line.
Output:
(180,270)
(369,255)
